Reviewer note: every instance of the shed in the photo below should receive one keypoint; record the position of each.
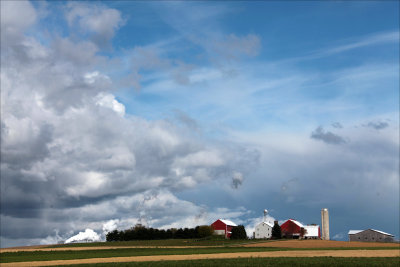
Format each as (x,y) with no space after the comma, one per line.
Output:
(223,227)
(370,235)
(312,232)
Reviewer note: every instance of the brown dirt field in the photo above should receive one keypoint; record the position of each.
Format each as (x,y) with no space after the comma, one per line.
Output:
(27,247)
(320,244)
(43,248)
(308,253)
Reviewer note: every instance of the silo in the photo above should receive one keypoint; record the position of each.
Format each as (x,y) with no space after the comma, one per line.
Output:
(325,224)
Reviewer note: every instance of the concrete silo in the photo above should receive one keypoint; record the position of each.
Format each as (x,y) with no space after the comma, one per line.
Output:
(325,224)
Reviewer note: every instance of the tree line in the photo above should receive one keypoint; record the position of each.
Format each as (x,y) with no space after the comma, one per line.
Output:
(239,232)
(140,232)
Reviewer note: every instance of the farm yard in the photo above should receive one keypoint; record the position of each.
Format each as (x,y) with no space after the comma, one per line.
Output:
(206,253)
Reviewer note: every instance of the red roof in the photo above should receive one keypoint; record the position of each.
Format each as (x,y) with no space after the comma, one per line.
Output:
(291,227)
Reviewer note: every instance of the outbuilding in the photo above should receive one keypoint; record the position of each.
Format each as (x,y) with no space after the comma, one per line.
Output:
(312,232)
(370,235)
(223,227)
(263,230)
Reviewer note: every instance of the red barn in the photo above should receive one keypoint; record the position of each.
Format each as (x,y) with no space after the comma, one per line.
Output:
(223,227)
(291,228)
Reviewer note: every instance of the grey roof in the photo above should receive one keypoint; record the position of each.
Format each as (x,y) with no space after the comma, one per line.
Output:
(381,232)
(353,232)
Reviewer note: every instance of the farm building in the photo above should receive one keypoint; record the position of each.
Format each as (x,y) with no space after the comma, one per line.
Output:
(370,235)
(263,230)
(312,232)
(291,229)
(223,227)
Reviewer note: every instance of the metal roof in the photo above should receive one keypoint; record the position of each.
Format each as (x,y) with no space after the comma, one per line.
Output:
(228,222)
(381,232)
(353,232)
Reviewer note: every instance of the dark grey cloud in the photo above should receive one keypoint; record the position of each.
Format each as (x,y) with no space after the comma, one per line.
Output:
(186,120)
(327,137)
(337,125)
(153,58)
(377,125)
(12,26)
(31,148)
(237,180)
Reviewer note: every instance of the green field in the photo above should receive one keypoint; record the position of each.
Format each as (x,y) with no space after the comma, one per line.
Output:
(22,256)
(316,261)
(123,252)
(215,241)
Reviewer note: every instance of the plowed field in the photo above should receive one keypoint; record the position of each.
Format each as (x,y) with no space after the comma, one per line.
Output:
(320,244)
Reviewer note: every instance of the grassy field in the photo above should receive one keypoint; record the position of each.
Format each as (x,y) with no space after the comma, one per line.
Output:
(126,252)
(316,261)
(123,252)
(167,242)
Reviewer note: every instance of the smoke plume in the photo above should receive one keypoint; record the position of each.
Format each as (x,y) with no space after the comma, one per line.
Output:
(88,236)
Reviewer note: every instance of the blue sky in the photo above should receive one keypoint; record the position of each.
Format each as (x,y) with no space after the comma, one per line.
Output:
(313,43)
(179,113)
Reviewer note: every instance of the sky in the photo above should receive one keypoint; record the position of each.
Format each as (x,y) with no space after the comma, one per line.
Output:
(176,114)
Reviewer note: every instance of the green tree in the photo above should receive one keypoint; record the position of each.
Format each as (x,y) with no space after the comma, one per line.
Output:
(276,231)
(303,232)
(204,231)
(238,232)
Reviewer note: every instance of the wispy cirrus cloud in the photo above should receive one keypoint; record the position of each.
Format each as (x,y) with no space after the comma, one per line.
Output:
(380,38)
(375,39)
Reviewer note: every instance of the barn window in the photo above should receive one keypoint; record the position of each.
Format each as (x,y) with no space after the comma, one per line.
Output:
(359,238)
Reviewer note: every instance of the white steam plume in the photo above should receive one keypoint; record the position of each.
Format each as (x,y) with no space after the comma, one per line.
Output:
(110,226)
(88,236)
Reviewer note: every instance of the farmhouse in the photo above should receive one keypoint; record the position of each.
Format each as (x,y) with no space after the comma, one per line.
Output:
(370,235)
(223,227)
(263,230)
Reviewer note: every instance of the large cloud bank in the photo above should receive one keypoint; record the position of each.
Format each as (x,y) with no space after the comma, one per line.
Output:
(70,154)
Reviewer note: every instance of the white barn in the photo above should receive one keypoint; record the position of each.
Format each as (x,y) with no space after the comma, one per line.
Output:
(263,230)
(312,232)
